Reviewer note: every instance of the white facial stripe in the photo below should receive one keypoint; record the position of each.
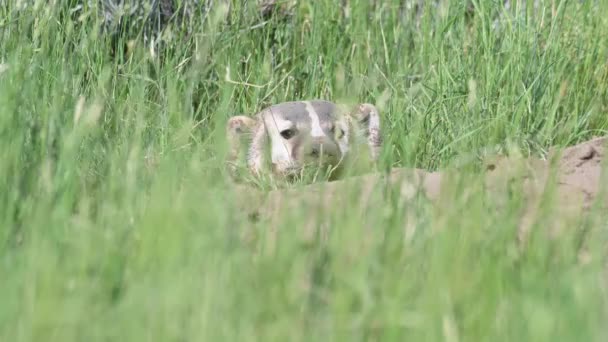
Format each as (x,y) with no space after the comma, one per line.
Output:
(315,126)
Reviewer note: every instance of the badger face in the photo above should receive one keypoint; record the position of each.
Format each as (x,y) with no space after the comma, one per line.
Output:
(305,135)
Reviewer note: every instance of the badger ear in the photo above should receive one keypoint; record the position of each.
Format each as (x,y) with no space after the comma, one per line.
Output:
(238,133)
(237,125)
(255,153)
(367,119)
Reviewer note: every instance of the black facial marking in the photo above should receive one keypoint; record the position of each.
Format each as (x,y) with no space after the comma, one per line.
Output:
(295,149)
(336,132)
(340,133)
(365,120)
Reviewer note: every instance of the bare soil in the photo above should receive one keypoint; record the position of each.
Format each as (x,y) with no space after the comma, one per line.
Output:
(576,173)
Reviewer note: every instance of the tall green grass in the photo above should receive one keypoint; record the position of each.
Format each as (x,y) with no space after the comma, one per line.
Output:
(117,221)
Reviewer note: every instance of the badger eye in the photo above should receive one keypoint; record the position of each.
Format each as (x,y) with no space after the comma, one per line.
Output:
(288,133)
(337,132)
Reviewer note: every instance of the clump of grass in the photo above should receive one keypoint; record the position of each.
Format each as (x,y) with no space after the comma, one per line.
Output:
(118,222)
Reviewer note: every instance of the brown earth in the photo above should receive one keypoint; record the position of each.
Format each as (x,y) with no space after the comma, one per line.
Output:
(575,171)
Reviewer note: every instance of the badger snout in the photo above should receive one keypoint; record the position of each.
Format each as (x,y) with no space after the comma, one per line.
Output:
(315,151)
(323,149)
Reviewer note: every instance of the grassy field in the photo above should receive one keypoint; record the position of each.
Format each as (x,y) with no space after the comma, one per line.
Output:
(117,222)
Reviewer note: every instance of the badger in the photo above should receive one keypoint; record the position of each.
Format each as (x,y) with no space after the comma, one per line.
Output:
(287,139)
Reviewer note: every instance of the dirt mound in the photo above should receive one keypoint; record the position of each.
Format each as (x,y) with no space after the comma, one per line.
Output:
(575,171)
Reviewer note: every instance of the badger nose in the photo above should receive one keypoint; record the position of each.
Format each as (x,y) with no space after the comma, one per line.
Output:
(319,149)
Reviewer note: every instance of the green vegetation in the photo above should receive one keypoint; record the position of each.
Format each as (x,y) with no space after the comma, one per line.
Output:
(117,221)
